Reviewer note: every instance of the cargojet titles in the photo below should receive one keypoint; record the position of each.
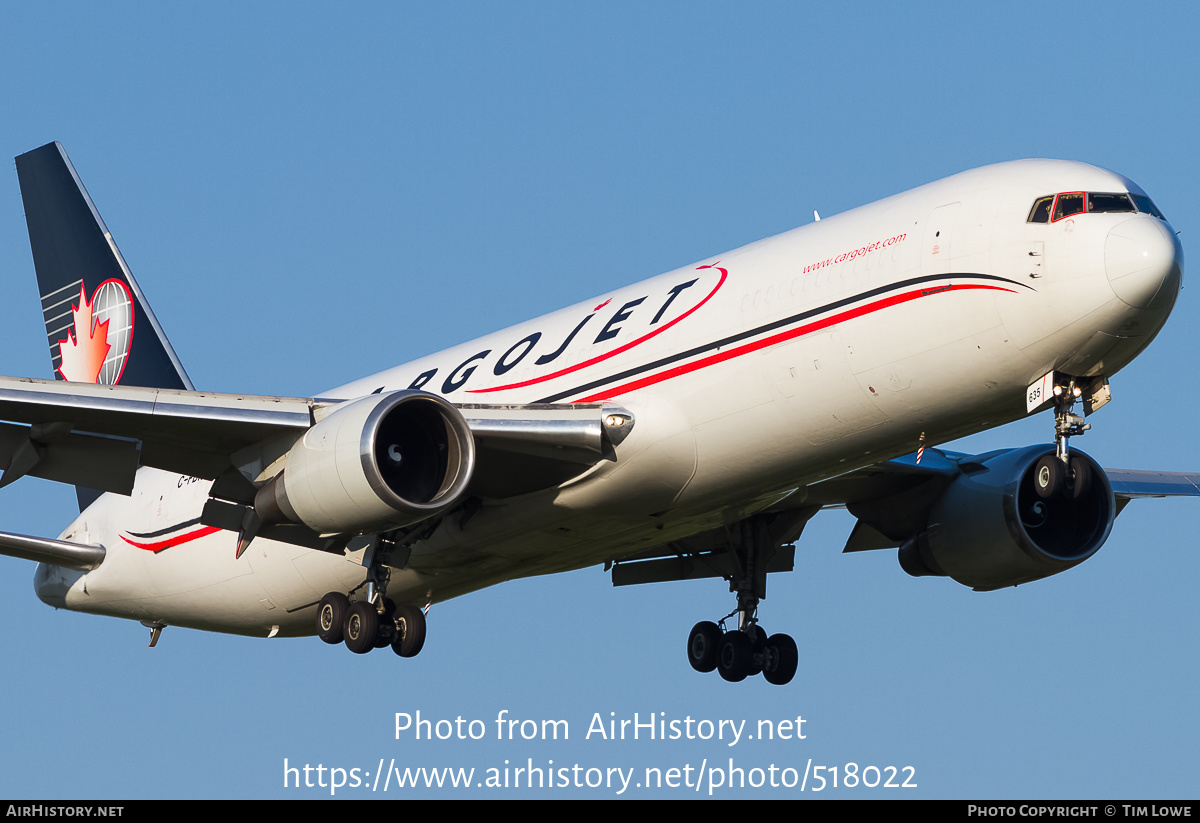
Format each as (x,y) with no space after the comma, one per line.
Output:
(615,326)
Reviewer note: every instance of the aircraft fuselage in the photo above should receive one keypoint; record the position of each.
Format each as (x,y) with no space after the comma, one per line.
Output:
(750,374)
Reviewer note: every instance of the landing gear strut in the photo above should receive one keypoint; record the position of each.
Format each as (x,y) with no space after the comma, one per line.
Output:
(1066,424)
(746,650)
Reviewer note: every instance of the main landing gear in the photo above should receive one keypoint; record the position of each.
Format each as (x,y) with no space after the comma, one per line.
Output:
(740,653)
(376,621)
(748,650)
(364,625)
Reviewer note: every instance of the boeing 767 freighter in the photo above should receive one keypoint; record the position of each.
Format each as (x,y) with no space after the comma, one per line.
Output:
(683,427)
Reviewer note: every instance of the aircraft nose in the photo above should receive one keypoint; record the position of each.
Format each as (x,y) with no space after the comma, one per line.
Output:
(1142,258)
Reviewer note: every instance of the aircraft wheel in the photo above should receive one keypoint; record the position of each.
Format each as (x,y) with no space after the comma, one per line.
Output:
(331,617)
(735,657)
(1081,478)
(781,659)
(703,643)
(410,631)
(362,627)
(1048,476)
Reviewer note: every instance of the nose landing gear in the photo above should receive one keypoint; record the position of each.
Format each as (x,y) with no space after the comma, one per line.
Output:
(1061,473)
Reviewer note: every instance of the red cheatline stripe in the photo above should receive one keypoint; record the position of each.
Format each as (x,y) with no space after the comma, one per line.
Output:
(799,331)
(616,351)
(188,537)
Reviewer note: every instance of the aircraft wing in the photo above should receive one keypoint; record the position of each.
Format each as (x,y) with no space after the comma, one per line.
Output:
(1130,484)
(895,496)
(96,435)
(124,401)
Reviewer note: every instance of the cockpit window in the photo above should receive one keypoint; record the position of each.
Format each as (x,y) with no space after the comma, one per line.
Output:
(1145,206)
(1054,207)
(1103,202)
(1068,204)
(1040,213)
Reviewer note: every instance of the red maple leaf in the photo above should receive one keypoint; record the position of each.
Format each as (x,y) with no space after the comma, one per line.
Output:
(82,353)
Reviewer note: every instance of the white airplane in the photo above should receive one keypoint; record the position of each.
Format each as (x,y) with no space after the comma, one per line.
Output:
(687,426)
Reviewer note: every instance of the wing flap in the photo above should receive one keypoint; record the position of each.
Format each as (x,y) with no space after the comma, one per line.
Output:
(55,453)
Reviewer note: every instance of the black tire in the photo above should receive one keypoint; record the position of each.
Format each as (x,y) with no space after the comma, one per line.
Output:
(703,643)
(331,617)
(410,631)
(362,627)
(1081,478)
(735,657)
(1048,476)
(781,660)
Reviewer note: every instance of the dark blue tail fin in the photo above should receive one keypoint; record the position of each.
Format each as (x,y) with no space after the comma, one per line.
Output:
(98,324)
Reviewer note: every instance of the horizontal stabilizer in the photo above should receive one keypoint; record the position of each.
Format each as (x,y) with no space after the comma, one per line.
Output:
(55,552)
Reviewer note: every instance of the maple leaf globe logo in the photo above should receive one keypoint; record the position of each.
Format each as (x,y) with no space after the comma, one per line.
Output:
(96,348)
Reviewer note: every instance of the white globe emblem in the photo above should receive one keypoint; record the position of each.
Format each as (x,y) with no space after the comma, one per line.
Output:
(113,302)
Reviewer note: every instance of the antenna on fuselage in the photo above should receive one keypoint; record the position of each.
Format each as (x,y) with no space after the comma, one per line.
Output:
(816,217)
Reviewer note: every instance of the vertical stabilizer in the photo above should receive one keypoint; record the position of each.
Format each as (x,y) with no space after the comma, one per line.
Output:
(98,324)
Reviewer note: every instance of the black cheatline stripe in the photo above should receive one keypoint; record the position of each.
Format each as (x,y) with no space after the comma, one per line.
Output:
(770,327)
(167,530)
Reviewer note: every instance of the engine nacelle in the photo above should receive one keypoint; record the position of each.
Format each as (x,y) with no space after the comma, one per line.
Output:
(992,529)
(373,464)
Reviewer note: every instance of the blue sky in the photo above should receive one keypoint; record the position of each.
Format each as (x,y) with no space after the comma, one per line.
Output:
(308,196)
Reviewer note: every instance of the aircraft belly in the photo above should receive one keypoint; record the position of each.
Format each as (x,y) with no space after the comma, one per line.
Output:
(485,558)
(234,606)
(200,586)
(162,565)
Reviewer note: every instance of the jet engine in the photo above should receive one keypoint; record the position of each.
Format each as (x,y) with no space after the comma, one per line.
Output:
(1000,523)
(373,464)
